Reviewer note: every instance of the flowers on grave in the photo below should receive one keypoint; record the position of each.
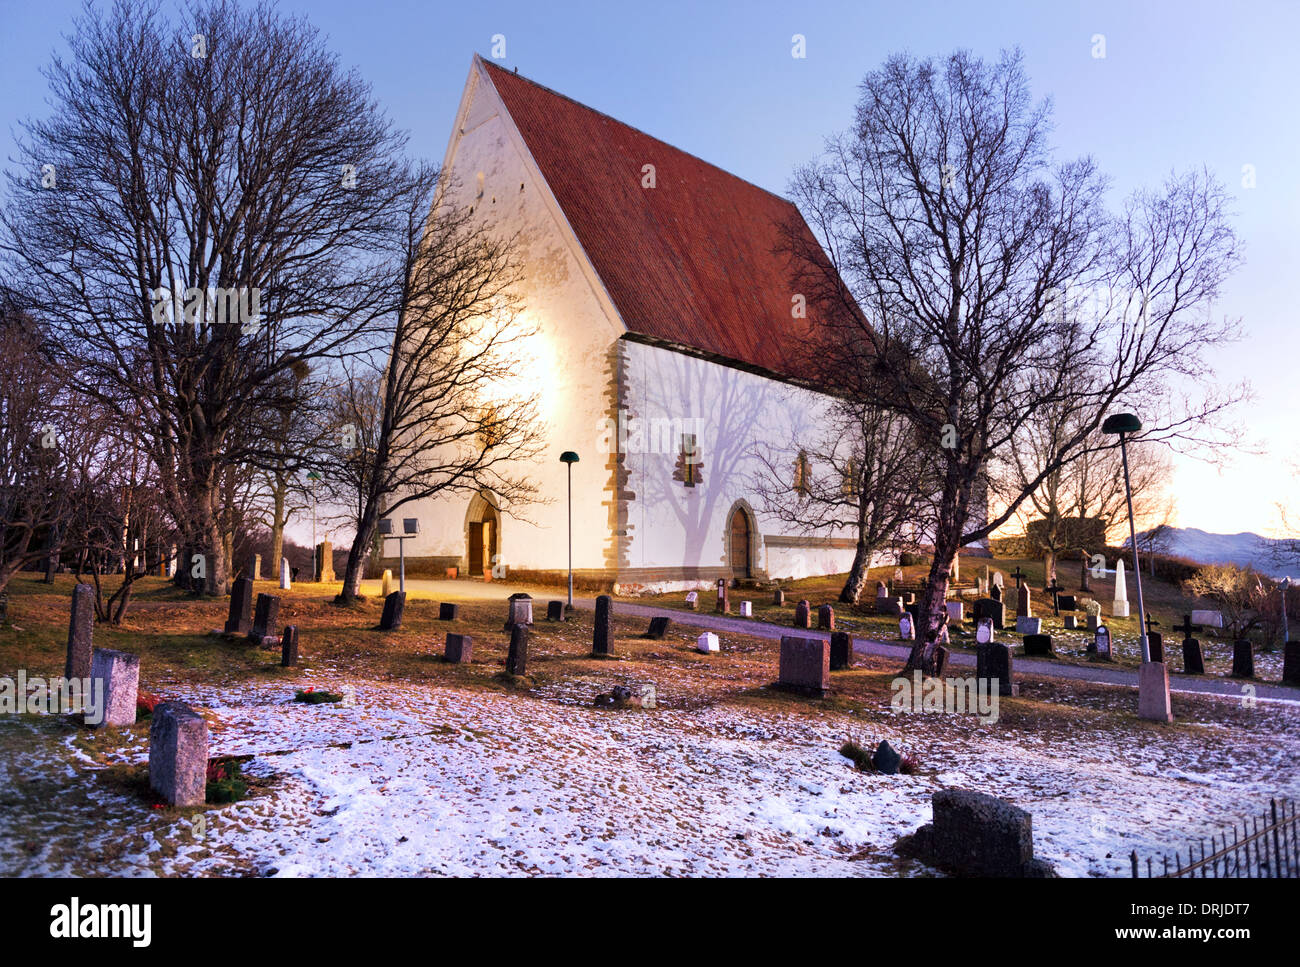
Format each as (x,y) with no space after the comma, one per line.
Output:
(145,703)
(313,696)
(225,780)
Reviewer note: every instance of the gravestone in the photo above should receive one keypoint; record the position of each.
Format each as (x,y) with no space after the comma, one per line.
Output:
(885,759)
(240,618)
(975,834)
(449,612)
(803,615)
(265,618)
(956,611)
(994,610)
(707,643)
(841,651)
(1208,619)
(882,589)
(907,628)
(81,630)
(517,656)
(747,609)
(602,636)
(1156,646)
(994,662)
(658,627)
(255,567)
(1291,663)
(178,754)
(554,610)
(394,610)
(1101,642)
(1038,644)
(1094,622)
(1029,626)
(459,649)
(289,647)
(120,675)
(805,665)
(1023,596)
(908,598)
(1243,660)
(1119,607)
(1153,692)
(693,601)
(996,593)
(893,607)
(325,562)
(999,580)
(778,597)
(1067,602)
(826,618)
(984,631)
(521,610)
(285,582)
(1070,623)
(1193,660)
(723,603)
(386,583)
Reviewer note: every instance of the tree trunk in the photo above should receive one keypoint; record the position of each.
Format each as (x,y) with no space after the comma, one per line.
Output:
(857,579)
(277,523)
(357,553)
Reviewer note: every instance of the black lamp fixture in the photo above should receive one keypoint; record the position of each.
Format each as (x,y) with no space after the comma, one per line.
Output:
(570,457)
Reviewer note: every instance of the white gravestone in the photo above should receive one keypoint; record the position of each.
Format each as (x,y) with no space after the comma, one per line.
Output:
(692,600)
(746,609)
(955,610)
(707,643)
(984,632)
(1208,619)
(905,629)
(284,574)
(1029,626)
(1119,607)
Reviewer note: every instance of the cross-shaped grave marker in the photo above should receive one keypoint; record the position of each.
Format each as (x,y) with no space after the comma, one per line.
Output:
(1054,589)
(1186,627)
(1019,576)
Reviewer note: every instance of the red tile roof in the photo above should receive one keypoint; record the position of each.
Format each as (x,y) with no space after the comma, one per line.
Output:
(697,260)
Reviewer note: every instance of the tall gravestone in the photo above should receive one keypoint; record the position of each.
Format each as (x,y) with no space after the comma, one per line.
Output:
(723,603)
(116,675)
(803,615)
(1193,660)
(602,636)
(841,650)
(1023,606)
(805,665)
(1291,663)
(394,609)
(517,656)
(178,754)
(520,610)
(265,617)
(325,562)
(289,647)
(285,582)
(1119,606)
(81,630)
(1243,659)
(255,567)
(994,662)
(1156,646)
(778,597)
(826,618)
(240,618)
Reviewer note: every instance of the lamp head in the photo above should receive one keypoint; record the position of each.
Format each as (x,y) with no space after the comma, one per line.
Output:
(568,456)
(1121,423)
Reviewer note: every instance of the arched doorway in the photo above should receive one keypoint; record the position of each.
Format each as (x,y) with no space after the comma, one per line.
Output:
(481,538)
(740,544)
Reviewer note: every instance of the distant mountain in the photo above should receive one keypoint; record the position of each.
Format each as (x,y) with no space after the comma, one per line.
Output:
(1240,549)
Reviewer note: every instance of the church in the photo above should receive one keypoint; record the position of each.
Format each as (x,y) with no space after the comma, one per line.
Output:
(666,354)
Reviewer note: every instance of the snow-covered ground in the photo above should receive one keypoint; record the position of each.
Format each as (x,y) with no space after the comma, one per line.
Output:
(434,780)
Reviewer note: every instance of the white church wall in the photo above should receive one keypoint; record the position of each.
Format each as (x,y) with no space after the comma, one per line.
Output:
(735,415)
(567,364)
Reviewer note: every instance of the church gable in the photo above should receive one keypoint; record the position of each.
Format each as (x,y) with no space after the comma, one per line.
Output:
(690,255)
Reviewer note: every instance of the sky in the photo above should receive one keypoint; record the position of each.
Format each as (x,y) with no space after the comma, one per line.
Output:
(1180,85)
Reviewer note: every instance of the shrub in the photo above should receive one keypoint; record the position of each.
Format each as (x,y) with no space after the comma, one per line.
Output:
(225,780)
(313,697)
(859,756)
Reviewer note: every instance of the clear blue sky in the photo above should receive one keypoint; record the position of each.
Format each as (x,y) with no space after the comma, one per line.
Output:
(1181,84)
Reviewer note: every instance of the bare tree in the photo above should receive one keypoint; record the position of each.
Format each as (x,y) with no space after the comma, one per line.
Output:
(207,209)
(33,466)
(442,411)
(860,476)
(965,257)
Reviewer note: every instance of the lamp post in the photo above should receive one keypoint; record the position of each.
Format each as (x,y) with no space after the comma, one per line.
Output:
(314,477)
(1286,634)
(1153,677)
(569,457)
